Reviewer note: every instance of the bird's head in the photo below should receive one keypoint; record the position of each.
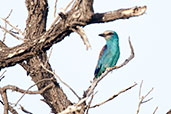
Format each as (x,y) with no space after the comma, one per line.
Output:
(109,34)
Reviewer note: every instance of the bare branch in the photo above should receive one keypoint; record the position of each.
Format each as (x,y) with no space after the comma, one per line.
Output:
(81,32)
(15,28)
(9,14)
(49,56)
(15,36)
(57,18)
(24,110)
(55,7)
(140,89)
(2,75)
(11,109)
(14,88)
(118,14)
(5,100)
(4,36)
(36,92)
(130,57)
(142,98)
(114,96)
(61,80)
(89,103)
(155,110)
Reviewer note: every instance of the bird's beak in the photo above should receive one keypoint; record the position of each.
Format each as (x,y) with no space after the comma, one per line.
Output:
(103,35)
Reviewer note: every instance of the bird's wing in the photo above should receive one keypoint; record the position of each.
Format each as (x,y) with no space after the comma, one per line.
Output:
(100,62)
(103,49)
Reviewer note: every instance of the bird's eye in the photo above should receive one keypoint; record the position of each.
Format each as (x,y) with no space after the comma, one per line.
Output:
(110,33)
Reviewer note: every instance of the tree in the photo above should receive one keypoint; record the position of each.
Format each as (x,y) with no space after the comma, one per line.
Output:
(32,56)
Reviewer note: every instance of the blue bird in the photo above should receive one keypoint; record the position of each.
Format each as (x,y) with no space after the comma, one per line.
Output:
(109,54)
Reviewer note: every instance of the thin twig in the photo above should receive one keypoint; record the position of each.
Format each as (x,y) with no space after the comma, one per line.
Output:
(55,8)
(2,75)
(114,96)
(57,18)
(15,28)
(130,57)
(60,80)
(14,88)
(15,36)
(45,79)
(9,14)
(155,110)
(4,36)
(81,32)
(141,98)
(24,110)
(89,103)
(140,89)
(50,53)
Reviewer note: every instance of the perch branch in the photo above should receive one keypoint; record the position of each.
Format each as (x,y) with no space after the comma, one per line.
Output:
(122,91)
(90,90)
(96,81)
(81,32)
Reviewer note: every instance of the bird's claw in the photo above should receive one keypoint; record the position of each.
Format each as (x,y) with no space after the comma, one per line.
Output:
(111,68)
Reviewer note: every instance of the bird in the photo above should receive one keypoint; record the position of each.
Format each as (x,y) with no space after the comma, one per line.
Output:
(109,54)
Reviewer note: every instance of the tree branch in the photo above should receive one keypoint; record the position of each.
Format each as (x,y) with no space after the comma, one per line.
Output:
(33,92)
(5,100)
(56,33)
(11,109)
(118,14)
(111,98)
(24,110)
(81,32)
(2,75)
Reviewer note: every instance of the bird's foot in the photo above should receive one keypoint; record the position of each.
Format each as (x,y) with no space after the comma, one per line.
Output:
(115,67)
(111,68)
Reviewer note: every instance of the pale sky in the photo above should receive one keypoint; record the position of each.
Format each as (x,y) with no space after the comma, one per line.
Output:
(150,36)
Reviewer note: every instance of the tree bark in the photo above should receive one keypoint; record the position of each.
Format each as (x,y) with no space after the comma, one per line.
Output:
(35,26)
(38,40)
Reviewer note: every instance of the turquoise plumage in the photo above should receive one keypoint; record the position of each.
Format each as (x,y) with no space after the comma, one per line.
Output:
(109,54)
